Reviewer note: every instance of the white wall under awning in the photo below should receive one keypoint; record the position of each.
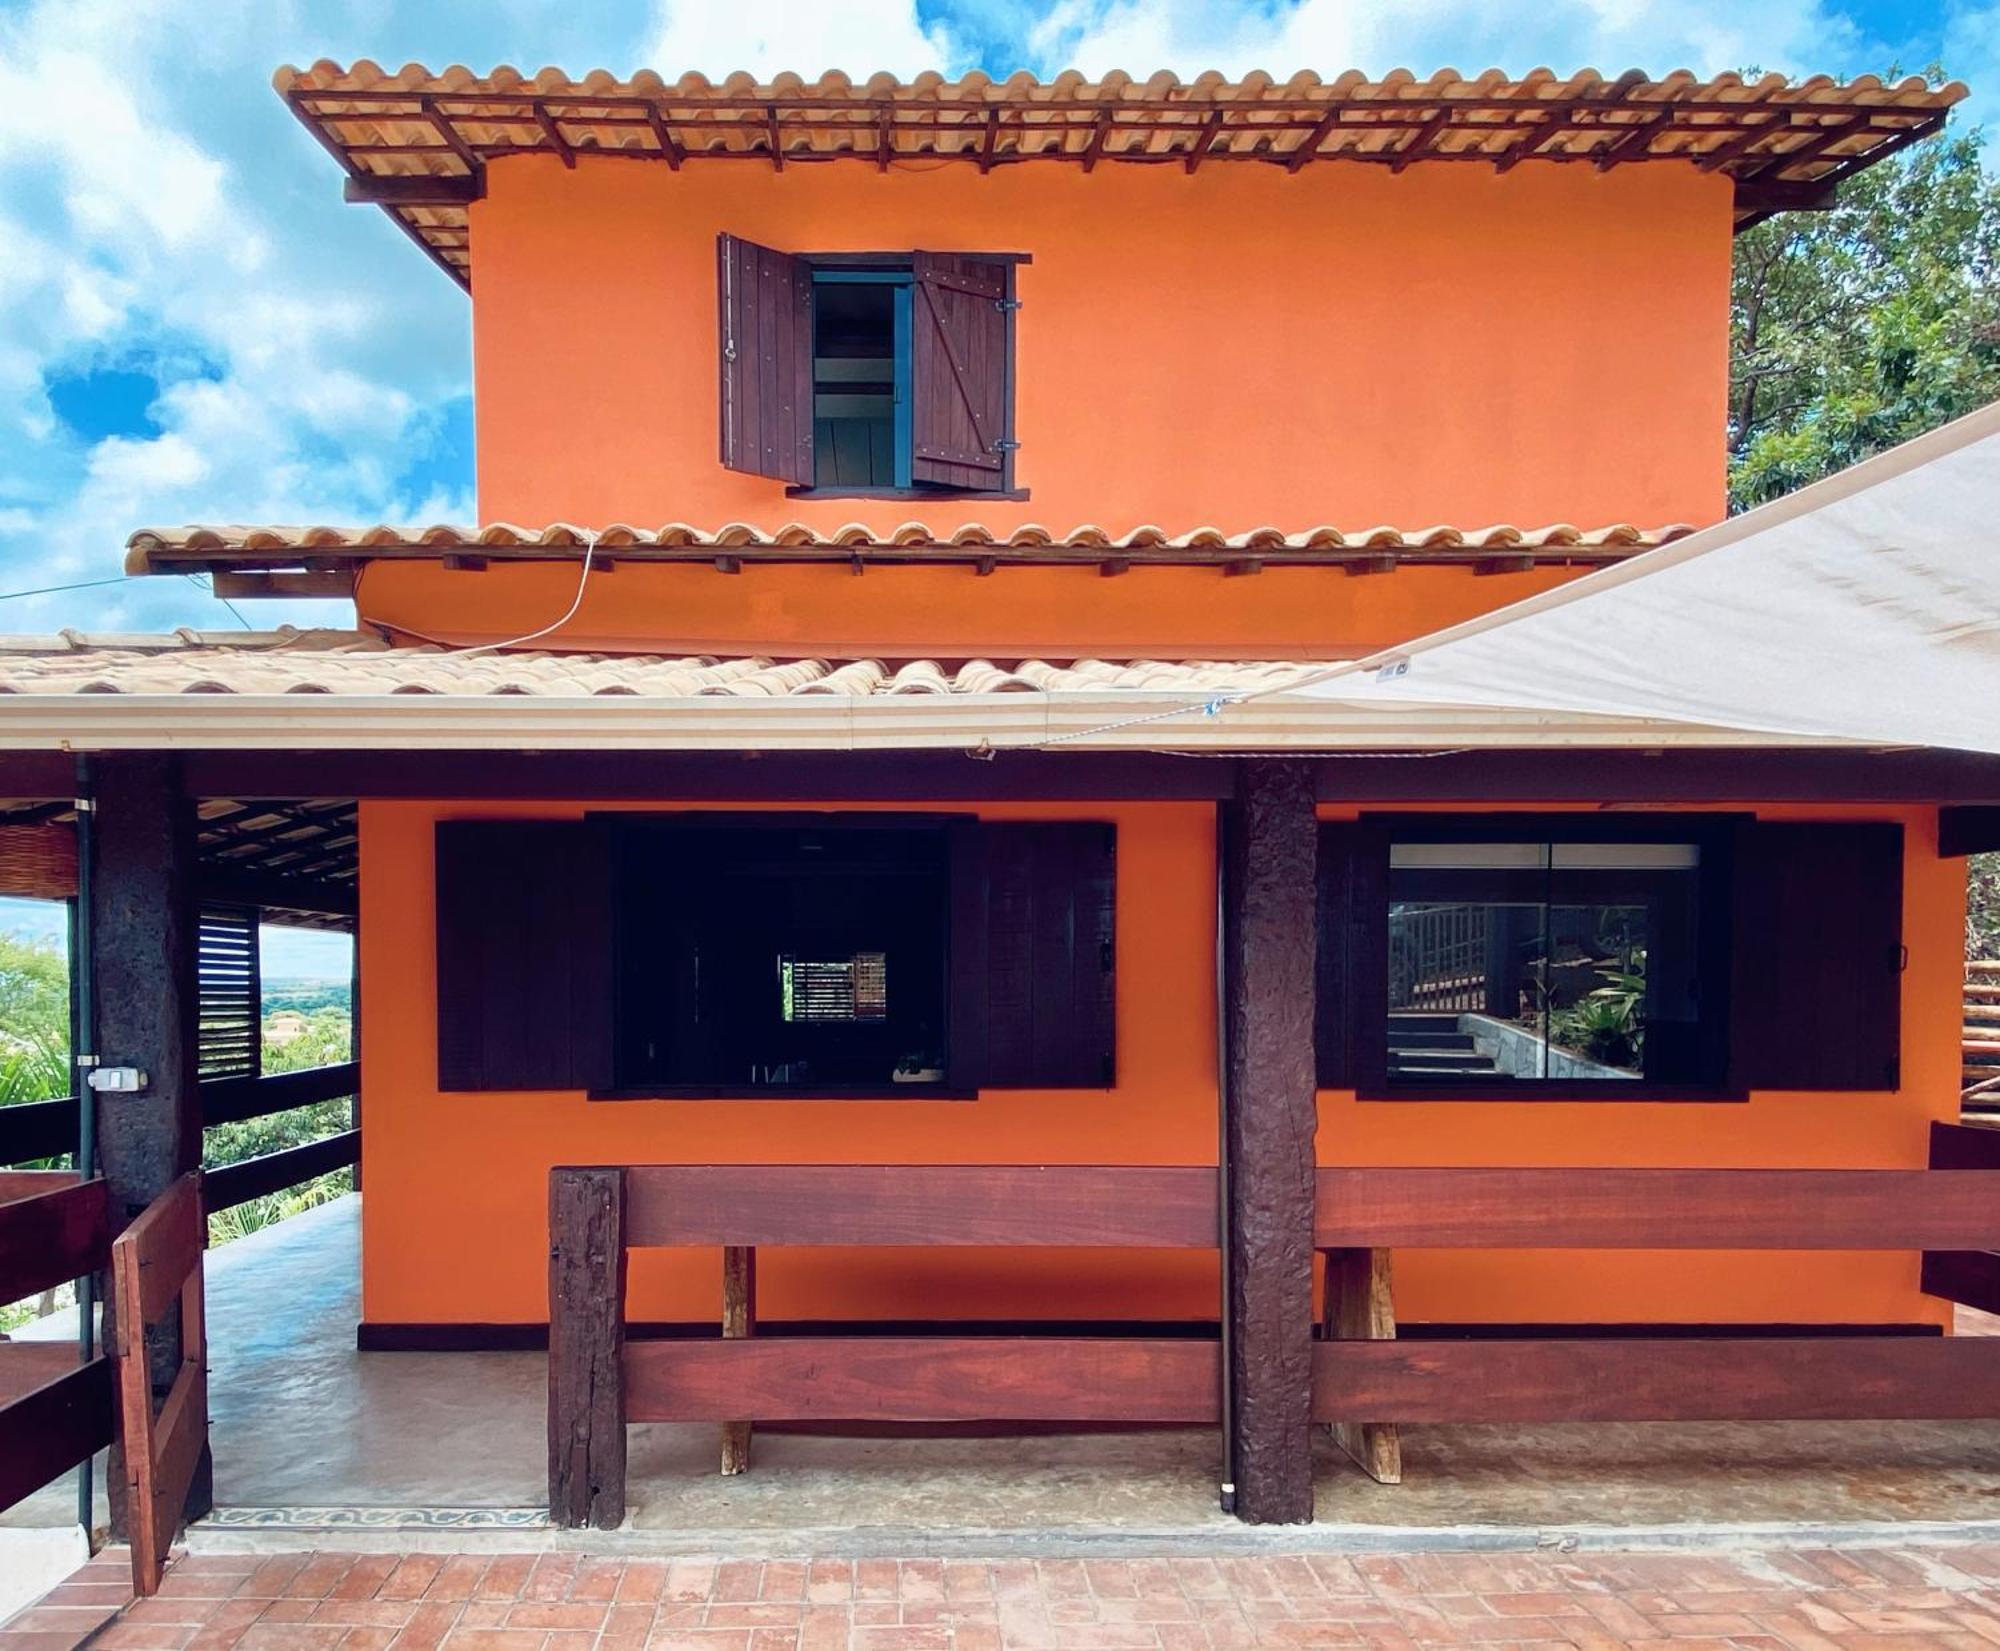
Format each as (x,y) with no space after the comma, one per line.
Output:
(1864,607)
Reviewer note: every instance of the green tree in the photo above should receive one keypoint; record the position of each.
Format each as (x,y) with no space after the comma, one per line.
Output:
(1859,328)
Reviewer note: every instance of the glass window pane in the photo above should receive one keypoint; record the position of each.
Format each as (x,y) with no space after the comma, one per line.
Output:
(1626,856)
(1466,992)
(1452,856)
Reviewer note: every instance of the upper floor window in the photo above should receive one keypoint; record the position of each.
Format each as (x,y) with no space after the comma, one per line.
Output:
(866,374)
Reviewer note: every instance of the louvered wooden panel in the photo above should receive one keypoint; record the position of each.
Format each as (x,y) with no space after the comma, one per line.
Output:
(227,974)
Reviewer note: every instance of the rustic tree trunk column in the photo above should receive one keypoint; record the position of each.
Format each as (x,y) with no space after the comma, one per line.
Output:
(142,919)
(587,1348)
(1269,946)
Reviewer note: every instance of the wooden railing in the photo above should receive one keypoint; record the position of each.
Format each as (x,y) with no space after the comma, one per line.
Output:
(156,1266)
(1365,1379)
(48,1129)
(1980,1040)
(55,1412)
(598,1381)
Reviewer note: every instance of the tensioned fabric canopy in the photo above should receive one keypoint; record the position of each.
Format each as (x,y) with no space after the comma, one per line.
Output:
(1865,607)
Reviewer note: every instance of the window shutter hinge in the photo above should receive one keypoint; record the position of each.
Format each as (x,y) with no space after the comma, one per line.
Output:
(1106,956)
(1006,306)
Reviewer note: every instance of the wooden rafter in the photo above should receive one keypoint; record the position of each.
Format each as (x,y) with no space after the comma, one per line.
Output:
(553,132)
(1308,146)
(1211,129)
(664,137)
(1423,142)
(450,133)
(774,137)
(988,139)
(1634,142)
(1100,129)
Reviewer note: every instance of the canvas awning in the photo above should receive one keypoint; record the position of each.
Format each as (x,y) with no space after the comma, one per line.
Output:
(1865,607)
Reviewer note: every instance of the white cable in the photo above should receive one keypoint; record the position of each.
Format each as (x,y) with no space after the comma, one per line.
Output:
(576,602)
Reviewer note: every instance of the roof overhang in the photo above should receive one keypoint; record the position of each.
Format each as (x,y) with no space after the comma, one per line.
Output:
(417,143)
(1080,722)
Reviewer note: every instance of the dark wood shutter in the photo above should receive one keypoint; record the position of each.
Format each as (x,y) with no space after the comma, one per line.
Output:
(767,369)
(524,954)
(228,1015)
(1816,993)
(959,371)
(1033,990)
(1351,981)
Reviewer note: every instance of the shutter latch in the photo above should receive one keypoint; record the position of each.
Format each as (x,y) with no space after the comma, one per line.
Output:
(1005,446)
(1006,306)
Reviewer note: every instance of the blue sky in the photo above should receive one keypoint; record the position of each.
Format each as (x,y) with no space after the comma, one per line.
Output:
(193,327)
(288,954)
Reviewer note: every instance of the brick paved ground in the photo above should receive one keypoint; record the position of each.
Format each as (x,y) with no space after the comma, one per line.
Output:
(1853,1600)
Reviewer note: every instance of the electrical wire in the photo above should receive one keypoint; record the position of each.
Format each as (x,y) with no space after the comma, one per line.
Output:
(459,651)
(57,590)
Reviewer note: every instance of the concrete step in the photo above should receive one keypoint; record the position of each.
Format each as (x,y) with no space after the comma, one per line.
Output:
(1437,1060)
(1399,1039)
(1423,1020)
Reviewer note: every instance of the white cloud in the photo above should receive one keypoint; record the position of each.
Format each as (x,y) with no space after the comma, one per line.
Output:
(1331,35)
(808,36)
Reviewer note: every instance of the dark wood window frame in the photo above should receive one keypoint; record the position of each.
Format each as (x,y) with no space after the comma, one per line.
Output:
(1060,1042)
(806,263)
(1361,998)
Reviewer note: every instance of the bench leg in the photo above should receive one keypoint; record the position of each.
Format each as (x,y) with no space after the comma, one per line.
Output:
(739,1318)
(1359,1307)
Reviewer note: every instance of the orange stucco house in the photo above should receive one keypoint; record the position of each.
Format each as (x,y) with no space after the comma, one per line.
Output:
(856,737)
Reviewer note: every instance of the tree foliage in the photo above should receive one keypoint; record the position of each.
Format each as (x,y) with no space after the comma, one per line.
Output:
(1855,329)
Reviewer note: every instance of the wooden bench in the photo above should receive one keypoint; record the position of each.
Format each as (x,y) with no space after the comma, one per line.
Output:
(598,1381)
(1366,1379)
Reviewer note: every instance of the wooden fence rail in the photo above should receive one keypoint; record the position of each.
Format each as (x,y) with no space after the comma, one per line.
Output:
(1365,1380)
(54,1412)
(598,1382)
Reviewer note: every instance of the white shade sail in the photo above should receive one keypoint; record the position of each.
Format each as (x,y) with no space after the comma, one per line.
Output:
(1865,607)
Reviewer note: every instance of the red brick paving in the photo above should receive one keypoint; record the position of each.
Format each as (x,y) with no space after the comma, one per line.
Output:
(1918,1599)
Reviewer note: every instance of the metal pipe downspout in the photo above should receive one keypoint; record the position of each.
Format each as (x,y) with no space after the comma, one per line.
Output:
(83,1056)
(1222,1167)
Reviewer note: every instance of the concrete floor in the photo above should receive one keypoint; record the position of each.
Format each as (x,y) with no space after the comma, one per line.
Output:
(301,1421)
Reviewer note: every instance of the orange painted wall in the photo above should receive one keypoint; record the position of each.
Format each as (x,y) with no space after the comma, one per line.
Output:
(1238,347)
(1235,349)
(454,1212)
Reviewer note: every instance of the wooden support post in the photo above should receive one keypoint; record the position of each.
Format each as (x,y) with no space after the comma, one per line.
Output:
(1359,1307)
(586,1348)
(739,1319)
(142,919)
(1269,947)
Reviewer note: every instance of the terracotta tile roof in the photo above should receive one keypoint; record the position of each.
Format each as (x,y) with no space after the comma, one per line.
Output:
(221,548)
(346,690)
(413,124)
(291,661)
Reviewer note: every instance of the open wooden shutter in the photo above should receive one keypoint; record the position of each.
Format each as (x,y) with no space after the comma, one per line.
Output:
(523,954)
(1032,934)
(1351,978)
(1816,994)
(767,368)
(960,431)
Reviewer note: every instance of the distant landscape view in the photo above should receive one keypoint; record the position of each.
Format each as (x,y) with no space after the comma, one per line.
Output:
(307,1021)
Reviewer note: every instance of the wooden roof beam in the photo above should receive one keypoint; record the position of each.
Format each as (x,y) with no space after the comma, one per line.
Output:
(989,139)
(1424,142)
(1100,129)
(1533,137)
(669,144)
(373,189)
(1308,146)
(1633,143)
(885,136)
(1779,195)
(774,138)
(553,132)
(450,133)
(1211,129)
